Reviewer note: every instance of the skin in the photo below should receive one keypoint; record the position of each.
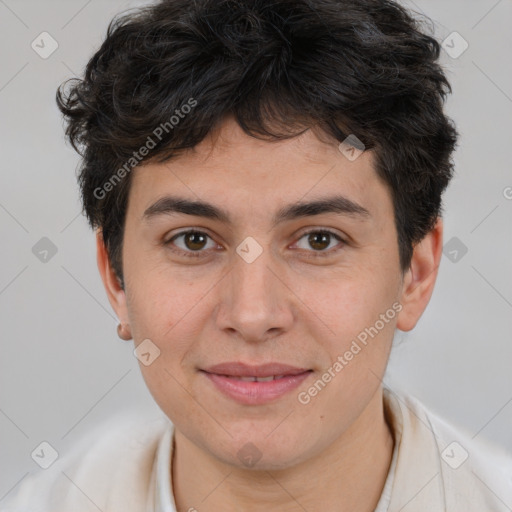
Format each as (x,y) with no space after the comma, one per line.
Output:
(333,453)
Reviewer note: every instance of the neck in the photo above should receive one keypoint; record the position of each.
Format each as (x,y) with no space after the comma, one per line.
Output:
(348,475)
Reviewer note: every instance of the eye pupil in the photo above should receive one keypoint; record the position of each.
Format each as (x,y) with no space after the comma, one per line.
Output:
(323,243)
(194,238)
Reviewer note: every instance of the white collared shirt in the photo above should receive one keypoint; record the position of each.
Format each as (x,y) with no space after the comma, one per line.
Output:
(125,466)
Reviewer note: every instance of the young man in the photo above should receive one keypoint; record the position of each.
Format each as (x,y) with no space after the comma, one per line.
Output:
(265,179)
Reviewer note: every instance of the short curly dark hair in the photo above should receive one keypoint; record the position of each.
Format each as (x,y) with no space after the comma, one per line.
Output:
(362,67)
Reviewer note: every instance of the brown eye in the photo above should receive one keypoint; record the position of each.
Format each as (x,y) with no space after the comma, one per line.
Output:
(319,240)
(191,243)
(194,240)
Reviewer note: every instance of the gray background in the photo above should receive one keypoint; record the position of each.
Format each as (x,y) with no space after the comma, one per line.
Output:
(62,367)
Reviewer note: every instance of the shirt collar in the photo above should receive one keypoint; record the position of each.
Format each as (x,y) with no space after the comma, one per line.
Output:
(395,424)
(163,495)
(417,479)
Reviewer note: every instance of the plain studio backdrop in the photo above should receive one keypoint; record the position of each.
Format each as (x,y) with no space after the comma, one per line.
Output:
(63,369)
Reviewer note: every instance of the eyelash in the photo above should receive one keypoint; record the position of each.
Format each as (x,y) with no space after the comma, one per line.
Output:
(196,254)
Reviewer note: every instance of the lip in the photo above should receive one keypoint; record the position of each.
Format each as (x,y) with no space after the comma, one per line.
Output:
(237,369)
(224,378)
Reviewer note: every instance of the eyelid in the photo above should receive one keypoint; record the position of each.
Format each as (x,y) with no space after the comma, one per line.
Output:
(307,231)
(329,231)
(201,231)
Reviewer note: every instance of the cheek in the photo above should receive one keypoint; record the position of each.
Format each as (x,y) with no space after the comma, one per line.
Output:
(159,302)
(355,317)
(345,302)
(168,317)
(361,320)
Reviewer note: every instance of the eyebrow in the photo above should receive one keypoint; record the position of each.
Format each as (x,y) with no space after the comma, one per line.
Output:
(338,204)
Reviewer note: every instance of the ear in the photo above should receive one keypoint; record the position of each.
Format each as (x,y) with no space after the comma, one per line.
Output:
(419,280)
(115,293)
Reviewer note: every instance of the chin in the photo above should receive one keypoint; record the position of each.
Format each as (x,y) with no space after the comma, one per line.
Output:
(261,453)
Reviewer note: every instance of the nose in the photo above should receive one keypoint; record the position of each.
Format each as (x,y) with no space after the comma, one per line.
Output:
(256,303)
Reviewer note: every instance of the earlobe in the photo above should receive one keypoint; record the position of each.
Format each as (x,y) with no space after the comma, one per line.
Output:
(115,293)
(419,280)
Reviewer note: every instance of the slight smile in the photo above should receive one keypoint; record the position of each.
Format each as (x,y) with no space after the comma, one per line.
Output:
(255,385)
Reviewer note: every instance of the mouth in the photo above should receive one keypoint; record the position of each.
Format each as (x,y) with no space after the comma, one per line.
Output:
(255,385)
(254,379)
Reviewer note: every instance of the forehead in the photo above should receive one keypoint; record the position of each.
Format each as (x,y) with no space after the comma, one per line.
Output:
(232,169)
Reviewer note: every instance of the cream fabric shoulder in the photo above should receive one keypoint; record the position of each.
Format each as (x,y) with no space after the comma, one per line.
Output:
(110,469)
(441,468)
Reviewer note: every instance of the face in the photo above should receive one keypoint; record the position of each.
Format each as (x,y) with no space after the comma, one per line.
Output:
(254,278)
